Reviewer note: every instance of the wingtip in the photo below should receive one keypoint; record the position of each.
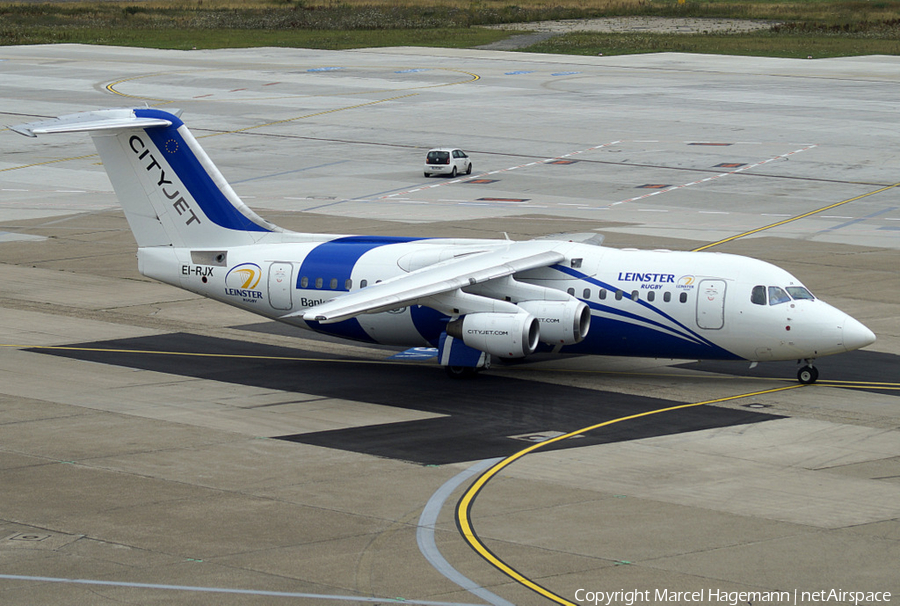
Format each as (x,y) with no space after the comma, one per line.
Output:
(22,130)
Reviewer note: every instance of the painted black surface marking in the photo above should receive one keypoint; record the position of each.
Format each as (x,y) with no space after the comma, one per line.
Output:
(478,415)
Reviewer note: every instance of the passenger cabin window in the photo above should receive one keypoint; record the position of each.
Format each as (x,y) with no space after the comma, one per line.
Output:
(619,294)
(304,282)
(571,291)
(587,293)
(333,284)
(651,296)
(799,293)
(318,282)
(602,294)
(667,296)
(635,295)
(758,295)
(363,283)
(683,297)
(777,296)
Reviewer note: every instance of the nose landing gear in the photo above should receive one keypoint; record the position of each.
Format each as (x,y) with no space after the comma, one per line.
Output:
(808,374)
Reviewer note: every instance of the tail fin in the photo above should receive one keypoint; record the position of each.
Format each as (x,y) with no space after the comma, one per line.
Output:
(172,193)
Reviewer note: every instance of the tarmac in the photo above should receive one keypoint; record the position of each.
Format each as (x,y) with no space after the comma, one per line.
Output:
(159,448)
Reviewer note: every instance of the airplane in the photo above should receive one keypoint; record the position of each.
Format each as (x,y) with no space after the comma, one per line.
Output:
(472,299)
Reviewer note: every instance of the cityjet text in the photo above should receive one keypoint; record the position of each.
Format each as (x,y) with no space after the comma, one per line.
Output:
(181,206)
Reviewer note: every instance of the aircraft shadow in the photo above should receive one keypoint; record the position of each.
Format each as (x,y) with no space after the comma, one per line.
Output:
(854,370)
(480,415)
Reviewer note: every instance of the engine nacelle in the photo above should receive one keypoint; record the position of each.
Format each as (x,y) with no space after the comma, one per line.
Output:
(499,334)
(562,322)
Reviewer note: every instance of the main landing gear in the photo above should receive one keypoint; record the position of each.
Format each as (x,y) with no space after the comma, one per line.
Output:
(808,374)
(461,372)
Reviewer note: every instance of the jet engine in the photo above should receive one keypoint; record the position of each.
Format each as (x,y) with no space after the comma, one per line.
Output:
(562,322)
(506,335)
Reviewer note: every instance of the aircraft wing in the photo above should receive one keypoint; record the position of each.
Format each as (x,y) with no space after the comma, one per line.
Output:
(412,288)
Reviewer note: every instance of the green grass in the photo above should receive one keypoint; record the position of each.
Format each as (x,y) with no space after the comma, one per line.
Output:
(818,28)
(188,39)
(764,44)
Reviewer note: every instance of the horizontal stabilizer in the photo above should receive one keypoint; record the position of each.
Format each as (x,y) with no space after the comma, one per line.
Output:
(90,121)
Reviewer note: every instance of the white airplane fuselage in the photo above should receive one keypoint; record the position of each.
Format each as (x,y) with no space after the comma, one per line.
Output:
(643,303)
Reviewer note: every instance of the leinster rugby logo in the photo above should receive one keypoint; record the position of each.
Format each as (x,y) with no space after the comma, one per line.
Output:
(685,283)
(242,280)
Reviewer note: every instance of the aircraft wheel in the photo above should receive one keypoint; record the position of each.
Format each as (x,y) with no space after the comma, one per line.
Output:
(460,372)
(808,375)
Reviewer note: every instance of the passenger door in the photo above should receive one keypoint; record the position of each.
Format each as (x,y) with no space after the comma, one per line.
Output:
(711,304)
(280,285)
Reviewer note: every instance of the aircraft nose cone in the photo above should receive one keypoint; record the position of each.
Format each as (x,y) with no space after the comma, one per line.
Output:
(856,335)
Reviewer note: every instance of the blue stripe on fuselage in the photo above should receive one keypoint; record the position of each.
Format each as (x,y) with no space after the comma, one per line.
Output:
(337,258)
(429,323)
(613,337)
(172,147)
(688,333)
(348,329)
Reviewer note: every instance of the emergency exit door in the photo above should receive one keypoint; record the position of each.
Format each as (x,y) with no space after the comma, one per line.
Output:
(711,304)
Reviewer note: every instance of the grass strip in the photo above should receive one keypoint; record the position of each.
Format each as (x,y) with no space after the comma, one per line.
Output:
(760,44)
(816,28)
(196,39)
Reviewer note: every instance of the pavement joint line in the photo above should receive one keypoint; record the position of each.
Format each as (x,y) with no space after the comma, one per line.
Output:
(111,87)
(228,132)
(709,376)
(388,362)
(207,354)
(718,176)
(854,220)
(502,170)
(798,217)
(464,507)
(259,592)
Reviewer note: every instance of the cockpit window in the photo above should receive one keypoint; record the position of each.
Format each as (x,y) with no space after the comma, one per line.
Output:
(798,293)
(777,296)
(758,295)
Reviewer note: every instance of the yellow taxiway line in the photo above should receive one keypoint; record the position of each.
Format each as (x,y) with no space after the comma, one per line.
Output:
(464,508)
(797,218)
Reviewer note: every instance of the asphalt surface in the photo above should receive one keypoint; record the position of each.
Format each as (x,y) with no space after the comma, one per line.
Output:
(156,447)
